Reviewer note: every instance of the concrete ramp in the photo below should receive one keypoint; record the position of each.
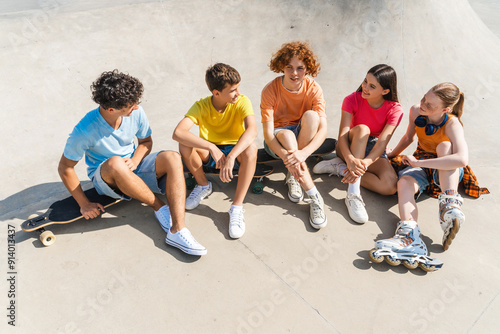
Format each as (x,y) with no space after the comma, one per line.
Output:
(116,274)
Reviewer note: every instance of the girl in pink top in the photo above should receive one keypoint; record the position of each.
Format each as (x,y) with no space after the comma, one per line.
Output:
(369,117)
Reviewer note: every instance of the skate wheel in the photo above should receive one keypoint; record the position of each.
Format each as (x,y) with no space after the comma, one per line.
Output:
(47,238)
(375,258)
(258,188)
(391,261)
(426,267)
(190,183)
(410,265)
(32,216)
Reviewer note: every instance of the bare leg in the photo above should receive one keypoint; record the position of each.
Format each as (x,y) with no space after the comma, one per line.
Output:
(117,175)
(288,140)
(407,188)
(448,179)
(194,158)
(247,160)
(380,178)
(169,163)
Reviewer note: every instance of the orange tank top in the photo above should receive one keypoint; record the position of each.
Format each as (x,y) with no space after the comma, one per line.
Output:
(429,143)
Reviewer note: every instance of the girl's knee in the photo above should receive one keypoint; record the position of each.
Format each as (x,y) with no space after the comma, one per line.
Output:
(444,148)
(361,130)
(406,183)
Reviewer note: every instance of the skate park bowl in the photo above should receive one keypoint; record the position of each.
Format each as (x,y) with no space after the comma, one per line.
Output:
(281,276)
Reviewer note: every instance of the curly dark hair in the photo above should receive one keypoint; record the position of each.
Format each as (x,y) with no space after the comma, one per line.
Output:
(303,52)
(116,90)
(219,75)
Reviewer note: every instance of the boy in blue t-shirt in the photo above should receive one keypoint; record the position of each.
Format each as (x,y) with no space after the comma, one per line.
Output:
(119,169)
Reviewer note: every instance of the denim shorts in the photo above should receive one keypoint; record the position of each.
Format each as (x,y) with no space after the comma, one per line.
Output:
(370,144)
(146,171)
(418,173)
(225,149)
(294,128)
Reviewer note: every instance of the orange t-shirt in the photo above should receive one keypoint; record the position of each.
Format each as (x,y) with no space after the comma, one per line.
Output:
(429,143)
(286,108)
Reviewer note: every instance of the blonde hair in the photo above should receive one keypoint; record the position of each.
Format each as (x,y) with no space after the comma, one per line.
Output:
(451,96)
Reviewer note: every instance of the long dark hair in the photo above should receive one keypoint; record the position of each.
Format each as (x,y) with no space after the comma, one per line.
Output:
(387,78)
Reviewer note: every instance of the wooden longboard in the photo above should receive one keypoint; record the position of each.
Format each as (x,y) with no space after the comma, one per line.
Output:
(62,212)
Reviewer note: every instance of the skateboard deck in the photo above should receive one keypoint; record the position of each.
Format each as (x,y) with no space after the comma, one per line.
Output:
(261,171)
(62,212)
(327,147)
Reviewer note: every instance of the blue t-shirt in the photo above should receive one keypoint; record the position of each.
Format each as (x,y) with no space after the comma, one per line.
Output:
(98,141)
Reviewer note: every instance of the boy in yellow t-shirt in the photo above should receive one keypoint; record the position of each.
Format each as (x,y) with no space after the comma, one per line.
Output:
(228,129)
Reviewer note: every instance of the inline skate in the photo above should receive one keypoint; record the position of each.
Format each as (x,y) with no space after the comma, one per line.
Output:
(451,216)
(405,247)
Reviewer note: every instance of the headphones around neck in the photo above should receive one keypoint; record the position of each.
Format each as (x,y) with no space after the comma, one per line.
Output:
(430,129)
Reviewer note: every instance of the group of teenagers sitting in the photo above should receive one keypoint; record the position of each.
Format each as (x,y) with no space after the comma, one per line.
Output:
(294,126)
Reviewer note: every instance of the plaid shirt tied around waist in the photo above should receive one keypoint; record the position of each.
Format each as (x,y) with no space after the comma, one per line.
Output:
(469,181)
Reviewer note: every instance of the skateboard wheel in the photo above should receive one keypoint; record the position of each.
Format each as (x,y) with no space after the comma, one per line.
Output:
(47,238)
(258,188)
(190,183)
(32,216)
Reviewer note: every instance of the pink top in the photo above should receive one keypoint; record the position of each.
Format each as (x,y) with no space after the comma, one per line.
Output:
(376,119)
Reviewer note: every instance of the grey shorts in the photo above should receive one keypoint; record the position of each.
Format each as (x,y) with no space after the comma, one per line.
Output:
(294,128)
(420,176)
(146,171)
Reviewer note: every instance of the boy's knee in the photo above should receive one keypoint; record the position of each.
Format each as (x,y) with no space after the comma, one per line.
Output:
(114,164)
(285,135)
(250,153)
(168,159)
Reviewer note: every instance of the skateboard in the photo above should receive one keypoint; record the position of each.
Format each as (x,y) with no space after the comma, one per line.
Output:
(261,171)
(62,212)
(327,147)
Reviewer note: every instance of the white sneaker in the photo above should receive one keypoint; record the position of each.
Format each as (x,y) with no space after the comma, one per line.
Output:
(236,223)
(164,217)
(356,208)
(317,216)
(295,192)
(331,167)
(185,242)
(197,195)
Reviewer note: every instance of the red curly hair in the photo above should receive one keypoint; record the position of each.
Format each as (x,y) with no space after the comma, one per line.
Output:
(300,49)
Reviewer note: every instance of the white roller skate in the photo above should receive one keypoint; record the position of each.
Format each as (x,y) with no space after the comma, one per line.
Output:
(405,247)
(451,216)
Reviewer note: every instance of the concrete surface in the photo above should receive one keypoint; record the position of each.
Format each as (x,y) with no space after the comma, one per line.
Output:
(115,274)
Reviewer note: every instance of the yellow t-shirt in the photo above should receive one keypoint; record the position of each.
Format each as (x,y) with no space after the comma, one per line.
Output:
(223,128)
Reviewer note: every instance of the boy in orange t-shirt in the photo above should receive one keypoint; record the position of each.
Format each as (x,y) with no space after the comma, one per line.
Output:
(294,121)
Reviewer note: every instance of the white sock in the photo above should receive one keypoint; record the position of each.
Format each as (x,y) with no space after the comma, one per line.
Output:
(311,192)
(354,188)
(236,208)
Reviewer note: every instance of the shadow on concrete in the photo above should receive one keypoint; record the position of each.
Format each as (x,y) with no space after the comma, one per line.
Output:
(131,213)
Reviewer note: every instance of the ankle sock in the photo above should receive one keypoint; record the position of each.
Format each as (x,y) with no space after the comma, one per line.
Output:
(354,188)
(311,192)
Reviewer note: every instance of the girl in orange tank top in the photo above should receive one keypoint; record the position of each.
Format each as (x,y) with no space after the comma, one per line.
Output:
(441,156)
